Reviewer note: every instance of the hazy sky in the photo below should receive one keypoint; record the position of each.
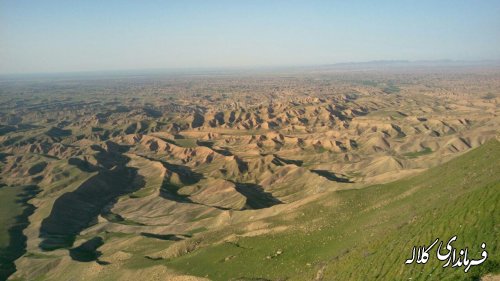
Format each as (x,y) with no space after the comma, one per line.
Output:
(71,35)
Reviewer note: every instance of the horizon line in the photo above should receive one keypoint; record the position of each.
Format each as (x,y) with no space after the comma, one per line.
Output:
(139,71)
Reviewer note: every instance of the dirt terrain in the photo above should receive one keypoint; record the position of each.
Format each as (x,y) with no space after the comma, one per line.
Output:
(124,174)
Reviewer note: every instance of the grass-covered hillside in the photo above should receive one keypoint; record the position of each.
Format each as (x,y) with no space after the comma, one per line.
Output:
(368,234)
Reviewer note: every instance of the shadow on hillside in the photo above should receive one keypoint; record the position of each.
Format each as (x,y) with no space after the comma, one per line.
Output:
(257,198)
(186,176)
(74,211)
(282,161)
(331,176)
(168,237)
(87,251)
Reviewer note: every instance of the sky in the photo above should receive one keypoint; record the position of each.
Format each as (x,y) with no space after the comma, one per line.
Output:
(98,35)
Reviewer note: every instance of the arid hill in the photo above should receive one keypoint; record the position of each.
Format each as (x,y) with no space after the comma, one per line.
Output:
(124,178)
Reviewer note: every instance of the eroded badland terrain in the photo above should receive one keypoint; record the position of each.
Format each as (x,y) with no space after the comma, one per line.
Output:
(317,175)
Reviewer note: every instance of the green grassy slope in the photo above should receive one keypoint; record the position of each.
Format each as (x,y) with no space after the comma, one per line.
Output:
(14,213)
(368,234)
(9,209)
